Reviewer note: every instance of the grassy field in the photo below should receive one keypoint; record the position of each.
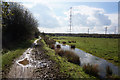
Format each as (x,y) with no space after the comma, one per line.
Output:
(73,70)
(106,48)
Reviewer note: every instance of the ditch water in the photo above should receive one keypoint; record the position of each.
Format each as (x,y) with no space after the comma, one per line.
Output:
(86,58)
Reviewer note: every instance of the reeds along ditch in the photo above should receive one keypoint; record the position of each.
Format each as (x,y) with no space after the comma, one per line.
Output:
(58,46)
(64,42)
(91,69)
(71,41)
(108,71)
(71,56)
(52,46)
(72,46)
(49,41)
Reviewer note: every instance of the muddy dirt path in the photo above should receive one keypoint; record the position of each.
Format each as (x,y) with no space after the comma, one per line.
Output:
(34,63)
(24,66)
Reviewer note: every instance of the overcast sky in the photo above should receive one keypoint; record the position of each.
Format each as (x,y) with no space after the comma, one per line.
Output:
(53,16)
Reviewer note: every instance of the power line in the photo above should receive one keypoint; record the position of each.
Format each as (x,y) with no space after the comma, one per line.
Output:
(105,30)
(88,30)
(115,30)
(70,19)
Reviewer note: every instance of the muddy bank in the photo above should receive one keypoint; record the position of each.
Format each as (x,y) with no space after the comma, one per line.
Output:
(50,69)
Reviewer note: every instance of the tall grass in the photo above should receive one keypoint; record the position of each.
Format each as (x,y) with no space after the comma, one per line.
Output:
(9,57)
(64,42)
(71,56)
(91,69)
(49,42)
(58,46)
(52,46)
(72,46)
(108,71)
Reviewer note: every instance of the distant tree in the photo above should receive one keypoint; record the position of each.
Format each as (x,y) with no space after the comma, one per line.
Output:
(18,24)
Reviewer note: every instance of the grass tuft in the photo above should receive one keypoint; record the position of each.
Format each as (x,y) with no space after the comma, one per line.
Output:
(108,71)
(64,42)
(71,56)
(58,46)
(91,69)
(72,46)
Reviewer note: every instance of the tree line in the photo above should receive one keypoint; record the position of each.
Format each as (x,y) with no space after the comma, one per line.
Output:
(18,25)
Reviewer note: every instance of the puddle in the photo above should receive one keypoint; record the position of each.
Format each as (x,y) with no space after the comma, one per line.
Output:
(24,62)
(27,53)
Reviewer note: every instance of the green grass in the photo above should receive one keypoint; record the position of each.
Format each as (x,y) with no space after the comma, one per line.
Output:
(106,48)
(7,58)
(73,70)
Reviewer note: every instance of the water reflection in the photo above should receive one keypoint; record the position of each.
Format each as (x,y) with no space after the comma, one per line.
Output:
(86,58)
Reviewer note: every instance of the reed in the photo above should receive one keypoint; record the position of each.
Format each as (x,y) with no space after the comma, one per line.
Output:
(64,42)
(108,71)
(52,46)
(72,46)
(58,46)
(91,69)
(71,56)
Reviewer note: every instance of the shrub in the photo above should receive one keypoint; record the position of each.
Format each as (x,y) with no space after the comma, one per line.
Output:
(58,46)
(115,59)
(91,69)
(69,41)
(52,46)
(64,42)
(108,71)
(71,56)
(49,41)
(72,46)
(73,41)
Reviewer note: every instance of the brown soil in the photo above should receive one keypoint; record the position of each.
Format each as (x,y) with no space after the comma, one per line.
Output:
(24,62)
(28,53)
(51,71)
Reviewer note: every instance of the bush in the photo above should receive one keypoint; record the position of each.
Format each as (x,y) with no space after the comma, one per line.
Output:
(72,46)
(108,71)
(73,41)
(58,46)
(64,42)
(48,40)
(71,56)
(52,46)
(91,69)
